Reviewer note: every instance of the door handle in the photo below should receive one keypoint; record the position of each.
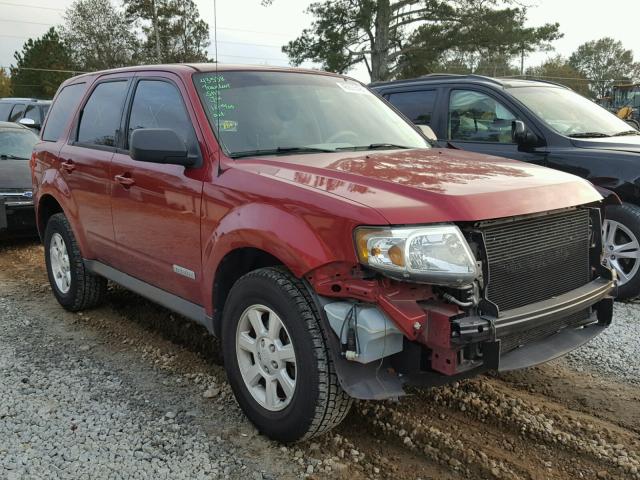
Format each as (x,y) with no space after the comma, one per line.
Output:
(68,166)
(125,180)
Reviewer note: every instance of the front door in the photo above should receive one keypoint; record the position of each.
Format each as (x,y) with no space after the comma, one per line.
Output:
(156,207)
(477,122)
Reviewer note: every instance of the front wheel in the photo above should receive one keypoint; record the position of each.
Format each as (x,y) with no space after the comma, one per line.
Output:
(277,359)
(621,235)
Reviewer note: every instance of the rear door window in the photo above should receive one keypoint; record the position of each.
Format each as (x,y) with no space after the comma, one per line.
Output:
(100,119)
(417,106)
(16,113)
(5,108)
(61,111)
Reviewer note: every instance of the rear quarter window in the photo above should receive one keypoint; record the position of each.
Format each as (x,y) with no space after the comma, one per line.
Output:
(61,110)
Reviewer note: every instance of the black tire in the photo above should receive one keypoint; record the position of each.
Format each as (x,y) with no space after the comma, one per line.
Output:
(318,403)
(629,216)
(86,289)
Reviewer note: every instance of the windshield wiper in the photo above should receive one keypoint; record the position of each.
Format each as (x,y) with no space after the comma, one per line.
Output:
(625,133)
(588,135)
(376,146)
(8,156)
(278,151)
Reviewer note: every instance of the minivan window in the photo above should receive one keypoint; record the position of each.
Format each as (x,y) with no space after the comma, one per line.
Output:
(102,113)
(61,111)
(158,104)
(5,108)
(417,106)
(16,113)
(263,113)
(476,117)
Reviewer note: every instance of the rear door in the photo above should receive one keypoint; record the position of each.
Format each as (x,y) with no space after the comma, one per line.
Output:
(85,161)
(156,207)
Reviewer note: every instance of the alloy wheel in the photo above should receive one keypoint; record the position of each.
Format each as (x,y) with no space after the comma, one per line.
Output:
(621,250)
(60,265)
(266,357)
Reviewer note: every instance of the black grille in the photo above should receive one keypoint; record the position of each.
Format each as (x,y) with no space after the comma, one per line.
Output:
(537,258)
(517,339)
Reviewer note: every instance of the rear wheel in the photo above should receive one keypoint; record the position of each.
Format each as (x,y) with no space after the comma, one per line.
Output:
(277,359)
(73,286)
(621,233)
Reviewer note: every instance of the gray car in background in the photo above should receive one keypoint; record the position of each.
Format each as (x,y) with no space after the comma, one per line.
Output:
(17,215)
(29,112)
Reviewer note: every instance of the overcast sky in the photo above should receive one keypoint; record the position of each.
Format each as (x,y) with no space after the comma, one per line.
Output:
(250,33)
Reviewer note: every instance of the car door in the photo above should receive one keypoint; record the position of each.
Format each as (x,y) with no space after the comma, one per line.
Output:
(156,207)
(477,121)
(85,161)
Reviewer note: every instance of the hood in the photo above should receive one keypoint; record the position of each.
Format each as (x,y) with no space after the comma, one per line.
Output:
(15,174)
(426,186)
(630,143)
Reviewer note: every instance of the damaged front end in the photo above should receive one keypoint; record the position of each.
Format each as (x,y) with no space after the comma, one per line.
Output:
(536,290)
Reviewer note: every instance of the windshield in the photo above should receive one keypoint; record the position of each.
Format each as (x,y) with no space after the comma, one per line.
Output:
(570,114)
(282,112)
(16,144)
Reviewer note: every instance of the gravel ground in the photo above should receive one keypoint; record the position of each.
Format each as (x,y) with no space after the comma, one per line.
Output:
(68,412)
(130,390)
(615,352)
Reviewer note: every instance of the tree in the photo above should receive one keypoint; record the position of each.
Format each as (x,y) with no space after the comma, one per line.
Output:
(41,66)
(604,62)
(176,24)
(558,69)
(99,35)
(396,38)
(5,84)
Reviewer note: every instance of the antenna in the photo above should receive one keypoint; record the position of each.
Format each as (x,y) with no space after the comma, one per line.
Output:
(217,86)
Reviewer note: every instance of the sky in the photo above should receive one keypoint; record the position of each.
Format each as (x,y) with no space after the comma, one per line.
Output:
(253,34)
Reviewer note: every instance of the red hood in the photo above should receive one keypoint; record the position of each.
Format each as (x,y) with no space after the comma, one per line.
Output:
(424,186)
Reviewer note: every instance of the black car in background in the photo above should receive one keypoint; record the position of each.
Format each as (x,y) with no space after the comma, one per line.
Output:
(542,123)
(17,216)
(29,112)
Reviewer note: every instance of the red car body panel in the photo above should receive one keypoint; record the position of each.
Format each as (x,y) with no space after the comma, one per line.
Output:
(300,209)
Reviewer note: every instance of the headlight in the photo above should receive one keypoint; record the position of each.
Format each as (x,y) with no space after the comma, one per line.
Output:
(437,254)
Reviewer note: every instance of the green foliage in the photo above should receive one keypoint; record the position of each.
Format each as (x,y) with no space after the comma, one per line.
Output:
(605,62)
(183,35)
(98,35)
(5,84)
(404,38)
(558,70)
(46,52)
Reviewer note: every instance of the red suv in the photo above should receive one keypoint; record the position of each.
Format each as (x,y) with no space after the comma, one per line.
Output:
(304,221)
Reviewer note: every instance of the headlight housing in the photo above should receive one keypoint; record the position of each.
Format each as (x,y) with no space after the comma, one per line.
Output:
(437,254)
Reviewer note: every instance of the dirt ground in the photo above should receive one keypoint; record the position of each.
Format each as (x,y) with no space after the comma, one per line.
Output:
(547,422)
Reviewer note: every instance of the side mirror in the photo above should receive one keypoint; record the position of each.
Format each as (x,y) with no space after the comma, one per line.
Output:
(159,145)
(29,122)
(428,132)
(521,135)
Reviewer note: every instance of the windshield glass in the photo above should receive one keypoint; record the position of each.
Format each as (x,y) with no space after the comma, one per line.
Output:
(280,112)
(569,113)
(17,144)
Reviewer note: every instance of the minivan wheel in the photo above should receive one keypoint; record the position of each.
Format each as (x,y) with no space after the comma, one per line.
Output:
(621,234)
(277,358)
(73,286)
